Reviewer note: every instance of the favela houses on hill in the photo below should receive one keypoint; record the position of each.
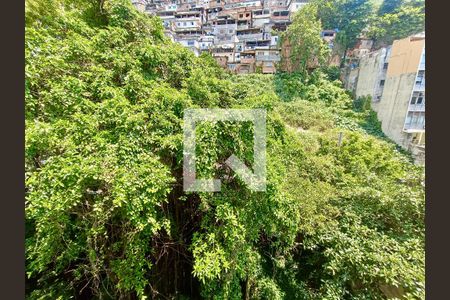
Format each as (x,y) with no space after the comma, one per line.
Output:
(225,149)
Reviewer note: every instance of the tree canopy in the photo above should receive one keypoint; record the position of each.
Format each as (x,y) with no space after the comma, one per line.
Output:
(399,21)
(393,19)
(304,34)
(349,17)
(389,6)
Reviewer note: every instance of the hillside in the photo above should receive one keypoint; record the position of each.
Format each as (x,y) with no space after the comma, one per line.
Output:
(106,215)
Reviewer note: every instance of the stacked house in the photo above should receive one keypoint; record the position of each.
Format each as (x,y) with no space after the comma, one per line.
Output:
(242,35)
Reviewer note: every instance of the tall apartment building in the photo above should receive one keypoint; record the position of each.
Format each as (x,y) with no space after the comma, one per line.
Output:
(242,35)
(394,77)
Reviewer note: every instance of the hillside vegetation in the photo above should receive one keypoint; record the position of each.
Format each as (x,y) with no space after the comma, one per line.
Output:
(106,215)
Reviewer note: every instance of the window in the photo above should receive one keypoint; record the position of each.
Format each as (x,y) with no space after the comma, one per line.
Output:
(190,43)
(381,82)
(421,119)
(415,120)
(418,98)
(422,60)
(408,119)
(385,66)
(420,77)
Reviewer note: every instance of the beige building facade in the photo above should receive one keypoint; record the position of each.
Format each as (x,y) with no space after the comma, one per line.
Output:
(394,77)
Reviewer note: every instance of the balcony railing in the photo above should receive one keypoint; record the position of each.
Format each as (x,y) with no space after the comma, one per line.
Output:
(247,60)
(223,38)
(247,37)
(419,86)
(416,107)
(414,127)
(268,57)
(422,62)
(422,65)
(268,70)
(263,16)
(246,26)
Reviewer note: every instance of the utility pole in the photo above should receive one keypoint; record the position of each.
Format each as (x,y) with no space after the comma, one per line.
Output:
(340,139)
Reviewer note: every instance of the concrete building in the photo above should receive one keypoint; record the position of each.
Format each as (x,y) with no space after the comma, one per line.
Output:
(394,77)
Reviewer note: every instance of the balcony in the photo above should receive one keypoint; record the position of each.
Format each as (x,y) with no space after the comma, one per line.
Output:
(268,57)
(414,127)
(225,38)
(243,26)
(416,107)
(247,59)
(219,51)
(422,65)
(250,37)
(419,86)
(422,62)
(280,16)
(261,16)
(244,69)
(268,69)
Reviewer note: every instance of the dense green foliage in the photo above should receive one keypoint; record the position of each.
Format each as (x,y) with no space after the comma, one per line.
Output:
(389,6)
(303,34)
(393,19)
(352,19)
(397,19)
(349,17)
(106,214)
